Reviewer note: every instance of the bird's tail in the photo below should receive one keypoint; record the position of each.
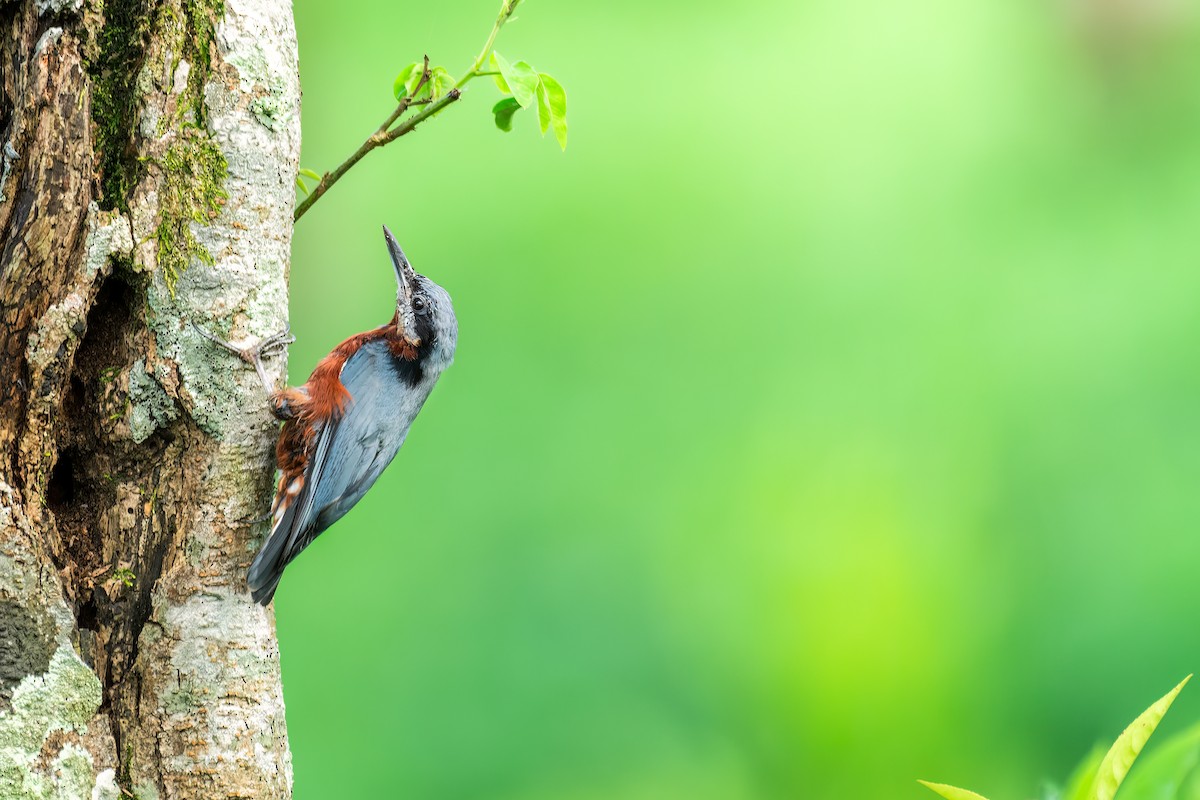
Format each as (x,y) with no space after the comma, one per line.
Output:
(267,569)
(263,593)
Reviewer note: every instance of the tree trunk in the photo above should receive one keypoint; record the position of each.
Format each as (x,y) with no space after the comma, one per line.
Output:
(147,156)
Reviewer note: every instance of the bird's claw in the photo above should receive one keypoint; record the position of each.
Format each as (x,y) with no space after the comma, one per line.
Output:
(276,343)
(271,346)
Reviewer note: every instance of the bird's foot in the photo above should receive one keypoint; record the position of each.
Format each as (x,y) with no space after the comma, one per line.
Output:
(276,343)
(273,345)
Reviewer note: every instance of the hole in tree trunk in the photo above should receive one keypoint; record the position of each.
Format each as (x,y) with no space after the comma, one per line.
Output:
(60,491)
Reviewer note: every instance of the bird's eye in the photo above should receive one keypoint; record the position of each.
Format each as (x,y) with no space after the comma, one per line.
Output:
(420,303)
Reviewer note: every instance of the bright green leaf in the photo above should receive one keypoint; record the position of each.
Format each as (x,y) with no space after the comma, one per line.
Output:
(1164,772)
(308,173)
(543,108)
(504,111)
(410,85)
(1129,744)
(441,80)
(520,78)
(400,85)
(300,185)
(951,792)
(527,76)
(557,98)
(500,63)
(494,66)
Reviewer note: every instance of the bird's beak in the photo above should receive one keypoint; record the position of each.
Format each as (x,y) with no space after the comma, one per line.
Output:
(405,278)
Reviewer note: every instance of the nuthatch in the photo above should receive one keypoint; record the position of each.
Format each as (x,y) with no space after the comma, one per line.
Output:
(346,424)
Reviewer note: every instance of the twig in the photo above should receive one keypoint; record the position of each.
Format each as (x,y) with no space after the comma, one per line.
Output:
(422,115)
(377,139)
(506,10)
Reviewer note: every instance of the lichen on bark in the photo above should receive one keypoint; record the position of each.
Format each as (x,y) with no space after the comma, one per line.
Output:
(50,714)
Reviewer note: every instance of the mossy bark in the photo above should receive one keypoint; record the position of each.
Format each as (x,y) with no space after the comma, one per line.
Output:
(141,190)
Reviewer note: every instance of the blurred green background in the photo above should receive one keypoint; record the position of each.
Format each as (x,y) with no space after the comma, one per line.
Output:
(826,417)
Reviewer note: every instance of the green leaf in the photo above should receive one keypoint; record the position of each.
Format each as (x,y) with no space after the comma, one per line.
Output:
(1167,770)
(543,108)
(526,76)
(521,78)
(441,80)
(308,173)
(557,97)
(1129,744)
(504,111)
(300,185)
(410,86)
(400,85)
(494,66)
(951,792)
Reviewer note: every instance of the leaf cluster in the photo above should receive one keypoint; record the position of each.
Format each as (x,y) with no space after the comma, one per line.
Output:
(523,86)
(409,84)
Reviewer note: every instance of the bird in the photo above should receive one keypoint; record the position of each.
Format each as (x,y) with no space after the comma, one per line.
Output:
(348,421)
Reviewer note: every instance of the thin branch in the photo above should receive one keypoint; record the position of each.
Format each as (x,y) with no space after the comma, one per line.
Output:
(422,115)
(506,10)
(377,139)
(385,133)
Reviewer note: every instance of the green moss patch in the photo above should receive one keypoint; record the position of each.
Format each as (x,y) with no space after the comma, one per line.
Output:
(193,168)
(194,173)
(114,69)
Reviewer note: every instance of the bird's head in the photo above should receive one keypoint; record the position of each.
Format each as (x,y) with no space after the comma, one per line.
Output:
(424,314)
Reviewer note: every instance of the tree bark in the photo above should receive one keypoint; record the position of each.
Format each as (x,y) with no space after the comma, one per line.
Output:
(148,150)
